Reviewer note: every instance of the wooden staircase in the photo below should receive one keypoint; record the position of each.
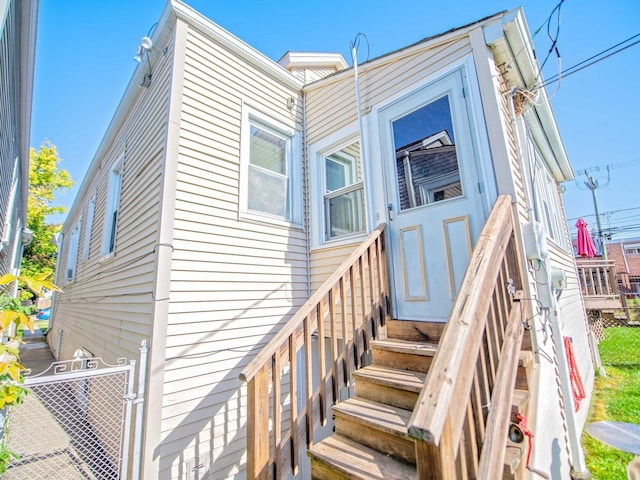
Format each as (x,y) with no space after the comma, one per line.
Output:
(371,439)
(402,422)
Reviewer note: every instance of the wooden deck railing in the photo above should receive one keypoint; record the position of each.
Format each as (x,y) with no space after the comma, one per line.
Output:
(461,420)
(599,284)
(349,309)
(597,277)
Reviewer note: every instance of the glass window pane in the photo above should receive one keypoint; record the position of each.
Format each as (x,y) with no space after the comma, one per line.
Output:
(336,175)
(268,151)
(344,192)
(426,155)
(268,181)
(268,192)
(346,213)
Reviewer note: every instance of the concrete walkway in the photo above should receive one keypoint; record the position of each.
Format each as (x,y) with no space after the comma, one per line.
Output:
(35,353)
(36,428)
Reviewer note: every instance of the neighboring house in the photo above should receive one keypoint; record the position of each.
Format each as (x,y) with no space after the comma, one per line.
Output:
(18,25)
(229,187)
(626,255)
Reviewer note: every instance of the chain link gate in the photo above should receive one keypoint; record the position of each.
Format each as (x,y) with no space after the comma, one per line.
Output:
(75,423)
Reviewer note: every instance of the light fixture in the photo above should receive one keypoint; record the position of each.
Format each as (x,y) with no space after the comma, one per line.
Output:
(139,58)
(146,45)
(27,236)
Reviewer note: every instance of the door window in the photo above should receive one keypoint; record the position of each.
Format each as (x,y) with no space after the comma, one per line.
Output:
(427,169)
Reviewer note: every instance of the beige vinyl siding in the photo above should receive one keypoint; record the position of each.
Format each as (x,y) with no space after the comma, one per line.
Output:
(325,261)
(10,128)
(233,282)
(334,106)
(311,74)
(518,176)
(107,308)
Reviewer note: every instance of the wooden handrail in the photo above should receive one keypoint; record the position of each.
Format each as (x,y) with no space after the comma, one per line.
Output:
(450,421)
(276,426)
(597,277)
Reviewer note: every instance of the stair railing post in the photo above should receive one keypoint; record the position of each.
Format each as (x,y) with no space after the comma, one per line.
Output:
(258,425)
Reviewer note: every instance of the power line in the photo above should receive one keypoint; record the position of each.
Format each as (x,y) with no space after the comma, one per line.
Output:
(611,166)
(574,69)
(605,213)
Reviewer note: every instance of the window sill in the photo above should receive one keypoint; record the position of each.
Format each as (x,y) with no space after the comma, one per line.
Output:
(356,238)
(269,221)
(109,257)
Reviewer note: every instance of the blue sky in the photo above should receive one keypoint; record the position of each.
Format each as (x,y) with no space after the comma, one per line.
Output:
(85,55)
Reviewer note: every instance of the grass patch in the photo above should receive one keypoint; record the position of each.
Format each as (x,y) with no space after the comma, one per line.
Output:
(615,398)
(620,346)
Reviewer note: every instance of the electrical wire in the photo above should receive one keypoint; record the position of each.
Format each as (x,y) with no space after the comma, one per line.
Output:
(356,44)
(594,56)
(553,38)
(557,78)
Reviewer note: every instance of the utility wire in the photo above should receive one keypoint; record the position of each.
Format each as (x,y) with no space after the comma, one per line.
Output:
(604,213)
(554,39)
(592,57)
(569,71)
(611,166)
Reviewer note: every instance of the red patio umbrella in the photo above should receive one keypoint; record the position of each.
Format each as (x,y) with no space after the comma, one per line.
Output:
(586,247)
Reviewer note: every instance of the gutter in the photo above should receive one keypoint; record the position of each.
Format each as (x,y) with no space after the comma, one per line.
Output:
(510,41)
(174,10)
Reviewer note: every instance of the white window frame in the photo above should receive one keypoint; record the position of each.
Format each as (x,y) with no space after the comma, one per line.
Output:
(112,207)
(349,164)
(334,142)
(87,229)
(252,117)
(548,203)
(72,253)
(6,233)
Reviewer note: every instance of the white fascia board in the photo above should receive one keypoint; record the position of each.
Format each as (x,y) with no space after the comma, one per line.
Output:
(397,55)
(159,36)
(313,59)
(28,28)
(175,10)
(235,45)
(511,44)
(28,31)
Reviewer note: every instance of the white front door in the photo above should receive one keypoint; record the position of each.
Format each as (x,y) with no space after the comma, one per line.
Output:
(434,199)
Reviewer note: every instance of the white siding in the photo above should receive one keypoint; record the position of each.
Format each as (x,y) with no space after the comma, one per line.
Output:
(233,283)
(331,106)
(12,96)
(107,308)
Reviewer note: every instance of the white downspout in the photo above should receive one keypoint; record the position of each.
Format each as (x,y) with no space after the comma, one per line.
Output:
(139,403)
(365,167)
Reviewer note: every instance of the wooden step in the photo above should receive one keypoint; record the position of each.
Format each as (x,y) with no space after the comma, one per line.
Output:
(404,355)
(392,386)
(525,364)
(513,468)
(379,426)
(519,404)
(339,458)
(514,461)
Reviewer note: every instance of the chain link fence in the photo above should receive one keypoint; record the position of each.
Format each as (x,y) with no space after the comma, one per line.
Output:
(72,424)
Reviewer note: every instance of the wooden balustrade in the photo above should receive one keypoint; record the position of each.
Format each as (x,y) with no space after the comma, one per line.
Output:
(599,284)
(350,308)
(461,419)
(597,277)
